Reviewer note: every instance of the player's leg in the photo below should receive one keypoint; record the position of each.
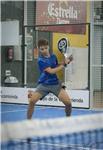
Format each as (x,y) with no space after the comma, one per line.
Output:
(33,98)
(64,97)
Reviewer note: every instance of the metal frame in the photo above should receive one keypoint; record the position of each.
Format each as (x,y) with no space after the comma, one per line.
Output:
(91,50)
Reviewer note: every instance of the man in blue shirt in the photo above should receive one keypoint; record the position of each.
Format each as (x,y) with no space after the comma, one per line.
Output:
(48,81)
(46,77)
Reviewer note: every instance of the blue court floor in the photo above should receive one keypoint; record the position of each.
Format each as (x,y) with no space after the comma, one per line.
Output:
(17,112)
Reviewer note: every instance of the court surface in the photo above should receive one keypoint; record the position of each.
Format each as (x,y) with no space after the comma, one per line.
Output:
(17,112)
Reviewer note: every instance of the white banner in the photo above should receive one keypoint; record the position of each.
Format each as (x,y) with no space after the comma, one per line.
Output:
(79,98)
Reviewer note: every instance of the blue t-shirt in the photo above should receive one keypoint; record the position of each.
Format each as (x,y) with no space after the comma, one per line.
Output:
(45,77)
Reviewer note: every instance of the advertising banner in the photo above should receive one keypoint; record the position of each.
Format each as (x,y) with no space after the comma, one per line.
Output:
(62,12)
(79,98)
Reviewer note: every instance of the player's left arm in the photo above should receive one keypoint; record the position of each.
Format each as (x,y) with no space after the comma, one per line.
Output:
(64,61)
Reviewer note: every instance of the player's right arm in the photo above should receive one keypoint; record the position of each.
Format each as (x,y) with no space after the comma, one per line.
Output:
(45,66)
(58,68)
(54,70)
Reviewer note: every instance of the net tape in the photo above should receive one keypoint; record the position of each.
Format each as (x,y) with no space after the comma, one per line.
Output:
(50,127)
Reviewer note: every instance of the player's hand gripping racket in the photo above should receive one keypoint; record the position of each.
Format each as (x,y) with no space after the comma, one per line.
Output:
(63,47)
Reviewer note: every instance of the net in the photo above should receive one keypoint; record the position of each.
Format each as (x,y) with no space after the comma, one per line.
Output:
(75,133)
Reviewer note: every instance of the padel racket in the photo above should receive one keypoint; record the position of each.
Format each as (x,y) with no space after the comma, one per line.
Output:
(64,47)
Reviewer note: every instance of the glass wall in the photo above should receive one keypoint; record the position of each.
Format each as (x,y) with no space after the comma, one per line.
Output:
(11,49)
(13,12)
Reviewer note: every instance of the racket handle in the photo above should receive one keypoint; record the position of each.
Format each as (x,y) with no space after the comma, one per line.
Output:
(71,57)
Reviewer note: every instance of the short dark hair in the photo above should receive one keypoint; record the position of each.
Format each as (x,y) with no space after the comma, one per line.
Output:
(42,42)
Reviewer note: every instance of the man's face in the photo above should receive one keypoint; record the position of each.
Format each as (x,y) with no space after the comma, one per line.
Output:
(44,50)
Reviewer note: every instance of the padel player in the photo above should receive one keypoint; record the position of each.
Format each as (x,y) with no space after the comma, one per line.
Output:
(48,81)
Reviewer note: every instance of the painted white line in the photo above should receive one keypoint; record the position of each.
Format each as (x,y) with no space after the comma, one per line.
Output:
(13,111)
(50,107)
(10,111)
